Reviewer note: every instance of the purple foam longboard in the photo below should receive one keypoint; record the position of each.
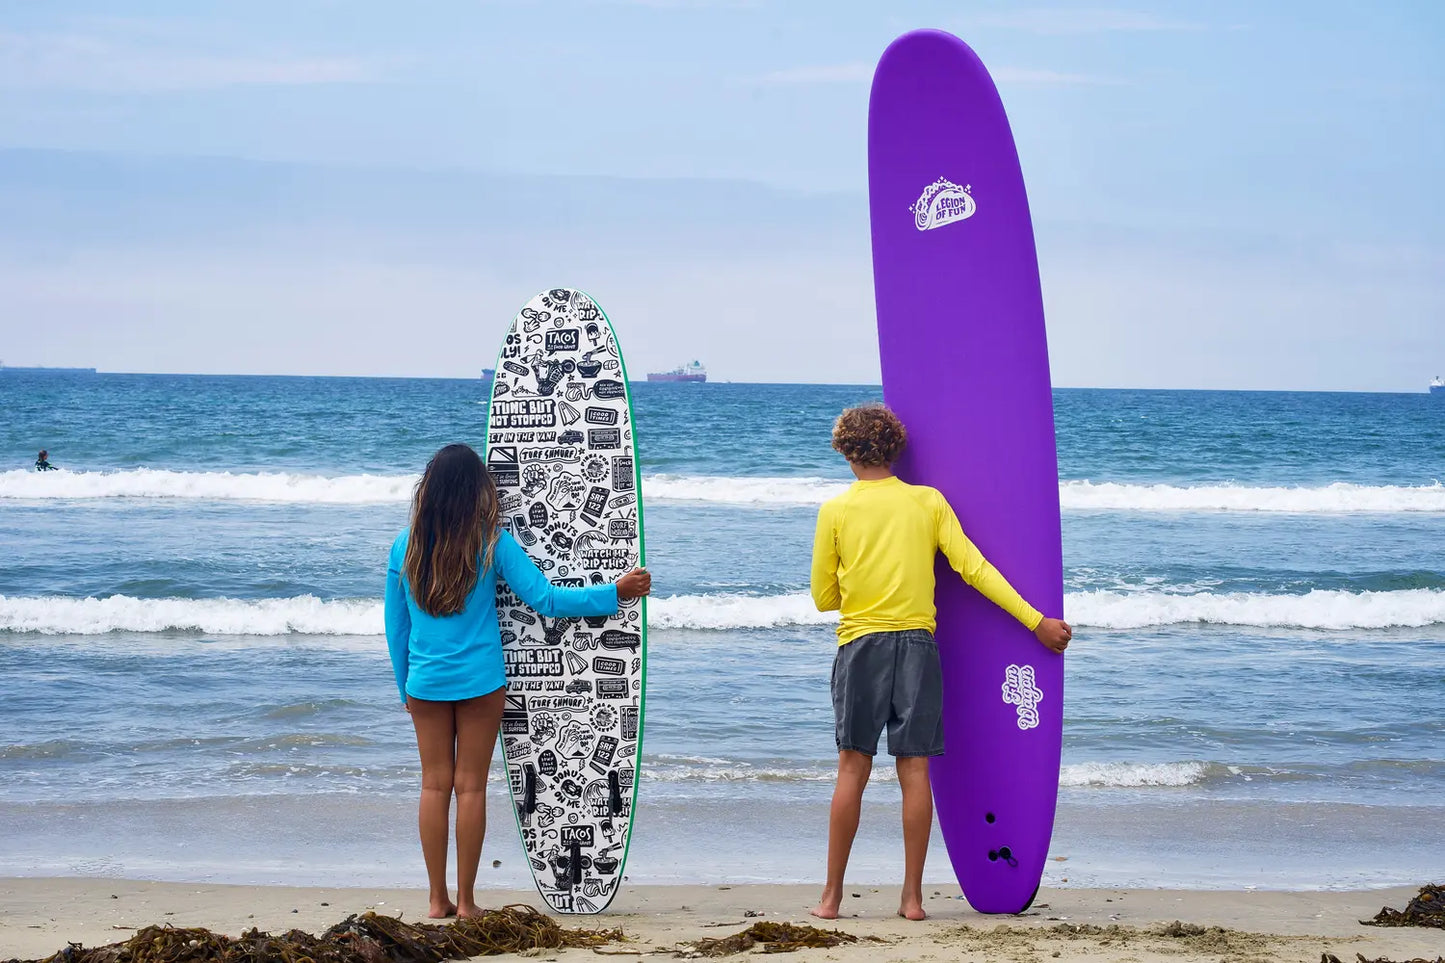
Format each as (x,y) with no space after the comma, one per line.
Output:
(965,365)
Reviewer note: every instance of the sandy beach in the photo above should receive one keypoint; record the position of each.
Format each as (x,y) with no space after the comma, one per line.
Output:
(39,916)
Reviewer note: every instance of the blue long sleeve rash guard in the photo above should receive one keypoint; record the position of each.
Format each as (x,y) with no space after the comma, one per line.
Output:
(452,657)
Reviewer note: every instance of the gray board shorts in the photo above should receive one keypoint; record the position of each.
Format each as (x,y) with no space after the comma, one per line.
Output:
(889,679)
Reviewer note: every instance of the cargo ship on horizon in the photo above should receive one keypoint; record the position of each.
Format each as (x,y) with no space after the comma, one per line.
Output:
(39,369)
(692,372)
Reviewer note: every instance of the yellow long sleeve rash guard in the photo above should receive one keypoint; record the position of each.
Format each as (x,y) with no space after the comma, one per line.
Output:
(873,559)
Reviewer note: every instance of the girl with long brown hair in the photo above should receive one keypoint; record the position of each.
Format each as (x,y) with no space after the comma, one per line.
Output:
(446,648)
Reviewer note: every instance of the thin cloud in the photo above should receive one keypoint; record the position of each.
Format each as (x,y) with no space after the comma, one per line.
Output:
(1022,76)
(861,72)
(81,62)
(682,4)
(1046,20)
(849,73)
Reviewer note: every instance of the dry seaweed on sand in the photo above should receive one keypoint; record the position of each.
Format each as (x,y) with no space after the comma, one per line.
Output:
(1360,958)
(1426,909)
(367,938)
(775,938)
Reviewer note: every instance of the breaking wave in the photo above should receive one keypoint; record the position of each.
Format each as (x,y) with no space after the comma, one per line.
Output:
(208,485)
(740,491)
(1325,609)
(1134,775)
(756,492)
(1093,775)
(1339,498)
(300,615)
(308,615)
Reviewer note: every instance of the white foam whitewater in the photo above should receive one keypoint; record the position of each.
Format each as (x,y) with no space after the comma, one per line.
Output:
(300,615)
(1133,775)
(748,491)
(1319,609)
(207,485)
(1341,497)
(1324,609)
(741,491)
(308,615)
(1093,775)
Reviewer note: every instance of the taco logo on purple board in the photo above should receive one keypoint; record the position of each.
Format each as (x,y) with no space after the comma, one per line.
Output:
(943,202)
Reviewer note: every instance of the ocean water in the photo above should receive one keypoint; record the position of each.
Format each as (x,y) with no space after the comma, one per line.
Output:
(196,687)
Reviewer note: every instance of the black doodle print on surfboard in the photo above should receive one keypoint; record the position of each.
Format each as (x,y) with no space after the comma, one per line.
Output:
(560,446)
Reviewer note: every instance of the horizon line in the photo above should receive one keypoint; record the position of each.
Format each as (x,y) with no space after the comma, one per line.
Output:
(84,371)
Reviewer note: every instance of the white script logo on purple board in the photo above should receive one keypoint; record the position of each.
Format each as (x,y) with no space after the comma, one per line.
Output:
(1019,690)
(943,202)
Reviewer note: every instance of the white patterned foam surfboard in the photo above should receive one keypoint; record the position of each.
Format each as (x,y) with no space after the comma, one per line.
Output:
(560,445)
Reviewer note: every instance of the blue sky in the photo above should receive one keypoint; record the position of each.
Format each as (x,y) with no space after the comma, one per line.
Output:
(1225,194)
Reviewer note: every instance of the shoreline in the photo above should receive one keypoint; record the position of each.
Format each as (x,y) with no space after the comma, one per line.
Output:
(39,916)
(369,840)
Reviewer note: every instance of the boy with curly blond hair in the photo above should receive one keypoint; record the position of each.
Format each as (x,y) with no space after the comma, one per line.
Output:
(873,562)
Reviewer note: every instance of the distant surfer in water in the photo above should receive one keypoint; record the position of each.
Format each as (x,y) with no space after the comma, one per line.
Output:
(873,561)
(42,461)
(446,648)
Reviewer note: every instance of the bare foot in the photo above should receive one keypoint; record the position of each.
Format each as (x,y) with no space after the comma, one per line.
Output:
(468,910)
(827,908)
(911,908)
(441,909)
